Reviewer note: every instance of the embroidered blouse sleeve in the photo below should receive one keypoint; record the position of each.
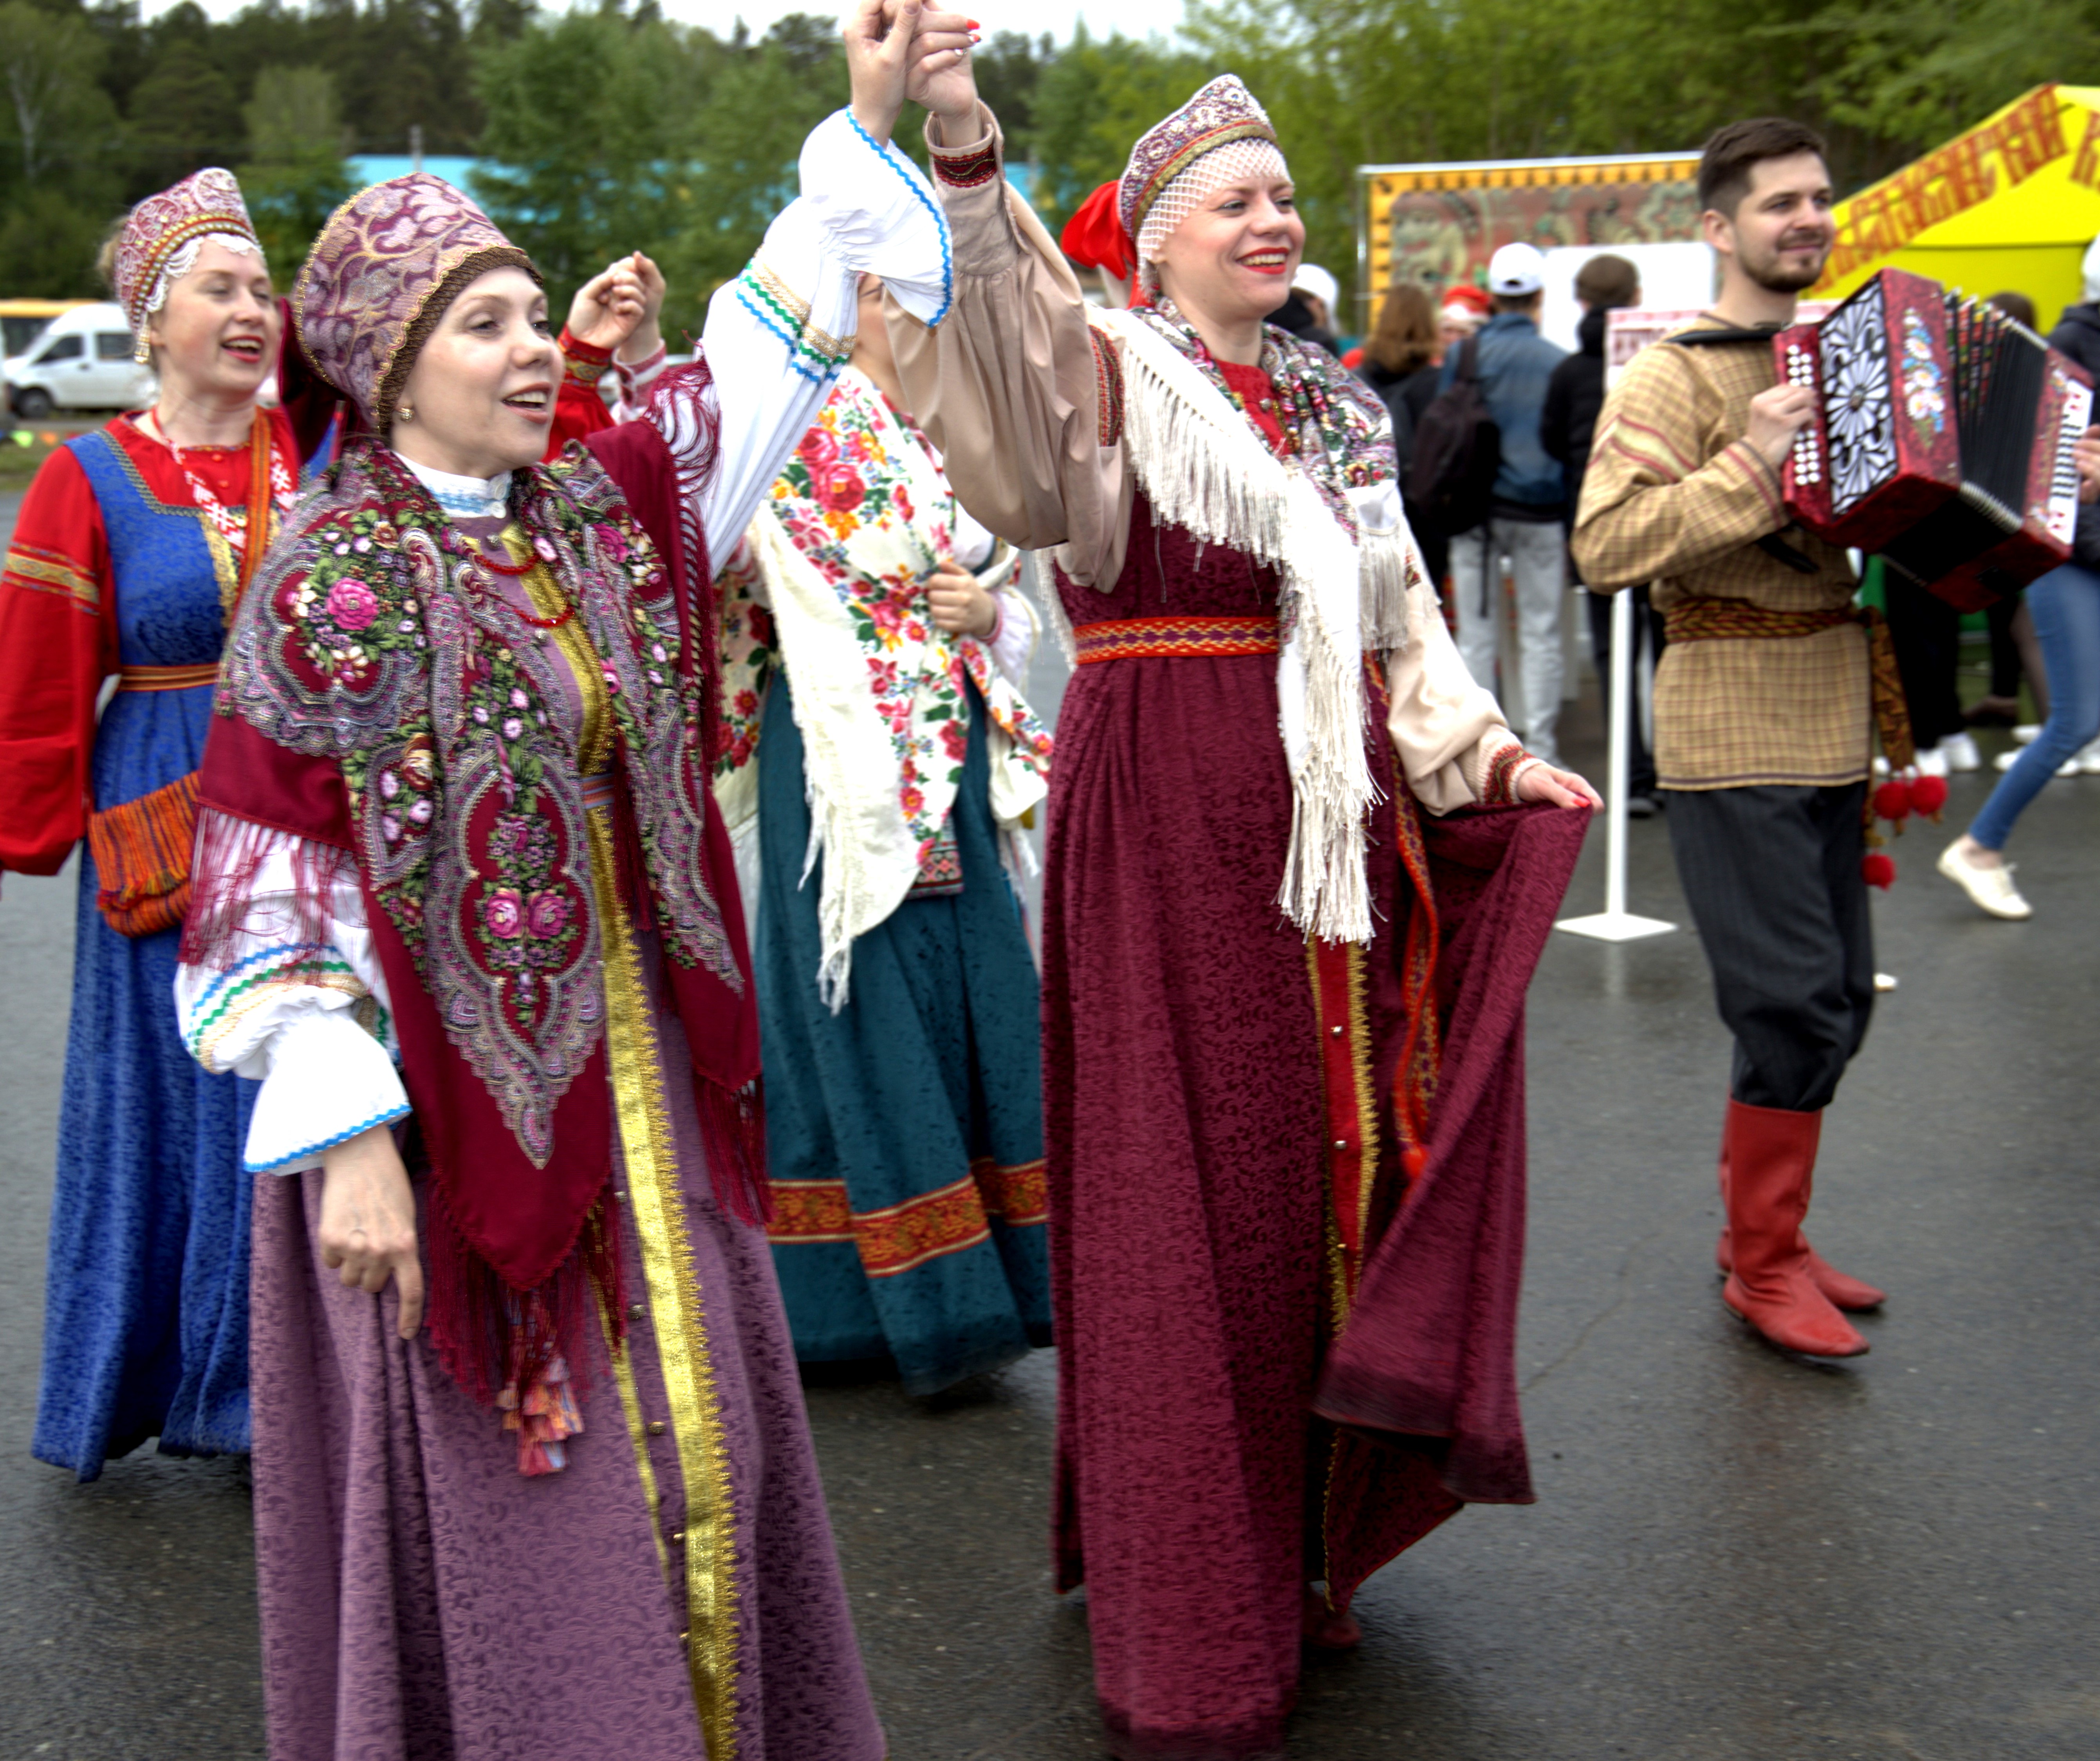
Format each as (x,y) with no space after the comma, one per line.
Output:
(1018,390)
(299,1003)
(1452,744)
(58,640)
(777,337)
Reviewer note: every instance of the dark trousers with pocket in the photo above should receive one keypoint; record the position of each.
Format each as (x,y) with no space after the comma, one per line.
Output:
(1772,876)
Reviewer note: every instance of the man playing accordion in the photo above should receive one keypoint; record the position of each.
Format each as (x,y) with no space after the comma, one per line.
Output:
(1763,710)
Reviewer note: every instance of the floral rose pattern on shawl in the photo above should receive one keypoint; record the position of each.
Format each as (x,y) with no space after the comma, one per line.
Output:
(378,639)
(851,502)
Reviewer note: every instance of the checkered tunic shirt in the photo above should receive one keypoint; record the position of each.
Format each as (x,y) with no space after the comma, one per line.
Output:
(1675,496)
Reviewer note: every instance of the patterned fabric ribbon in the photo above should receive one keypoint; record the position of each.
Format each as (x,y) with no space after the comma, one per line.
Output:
(1705,620)
(1173,638)
(184,678)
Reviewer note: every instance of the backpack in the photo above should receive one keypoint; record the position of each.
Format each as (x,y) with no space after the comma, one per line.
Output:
(1457,451)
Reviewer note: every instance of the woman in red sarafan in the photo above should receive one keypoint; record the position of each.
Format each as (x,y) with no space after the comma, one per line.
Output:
(1282,1004)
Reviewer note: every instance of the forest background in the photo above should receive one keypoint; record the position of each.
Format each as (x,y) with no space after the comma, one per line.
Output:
(611,127)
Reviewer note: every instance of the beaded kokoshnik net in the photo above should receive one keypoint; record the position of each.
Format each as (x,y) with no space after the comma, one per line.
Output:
(1239,163)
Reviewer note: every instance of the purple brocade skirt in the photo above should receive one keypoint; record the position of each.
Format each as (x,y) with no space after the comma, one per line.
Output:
(422,1600)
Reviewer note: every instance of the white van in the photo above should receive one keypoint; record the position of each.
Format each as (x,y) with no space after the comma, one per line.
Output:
(82,361)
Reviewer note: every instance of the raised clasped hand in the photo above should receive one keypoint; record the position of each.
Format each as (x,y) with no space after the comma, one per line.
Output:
(608,307)
(896,49)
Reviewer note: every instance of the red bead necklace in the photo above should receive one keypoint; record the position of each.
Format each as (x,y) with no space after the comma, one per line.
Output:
(513,570)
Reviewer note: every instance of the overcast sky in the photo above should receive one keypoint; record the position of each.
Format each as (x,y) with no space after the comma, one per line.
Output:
(1133,18)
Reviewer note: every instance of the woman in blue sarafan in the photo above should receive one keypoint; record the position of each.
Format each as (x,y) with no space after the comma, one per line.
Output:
(130,550)
(879,764)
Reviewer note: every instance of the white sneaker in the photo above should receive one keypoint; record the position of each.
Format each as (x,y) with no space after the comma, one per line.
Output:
(2088,760)
(1990,888)
(1932,761)
(2005,761)
(2026,733)
(1960,751)
(2071,767)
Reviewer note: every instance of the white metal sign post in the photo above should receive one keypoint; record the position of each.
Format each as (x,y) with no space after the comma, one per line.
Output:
(1615,923)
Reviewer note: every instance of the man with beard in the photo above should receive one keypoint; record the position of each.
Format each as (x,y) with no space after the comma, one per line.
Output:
(1761,709)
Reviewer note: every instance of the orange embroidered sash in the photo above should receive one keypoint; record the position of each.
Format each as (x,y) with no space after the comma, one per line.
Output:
(167,678)
(1173,638)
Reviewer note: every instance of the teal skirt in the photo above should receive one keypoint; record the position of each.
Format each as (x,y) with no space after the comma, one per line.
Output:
(904,1133)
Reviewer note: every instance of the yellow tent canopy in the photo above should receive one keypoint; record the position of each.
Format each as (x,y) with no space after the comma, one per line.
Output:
(2011,205)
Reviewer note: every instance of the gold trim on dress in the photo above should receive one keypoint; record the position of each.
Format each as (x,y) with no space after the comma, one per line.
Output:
(675,1305)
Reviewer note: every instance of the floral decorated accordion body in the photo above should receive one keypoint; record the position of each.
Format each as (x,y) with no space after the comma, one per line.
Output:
(1942,438)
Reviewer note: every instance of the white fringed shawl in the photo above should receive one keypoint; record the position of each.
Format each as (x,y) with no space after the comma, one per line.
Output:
(1204,467)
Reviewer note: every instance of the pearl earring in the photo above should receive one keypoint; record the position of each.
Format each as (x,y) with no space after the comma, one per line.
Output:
(406,413)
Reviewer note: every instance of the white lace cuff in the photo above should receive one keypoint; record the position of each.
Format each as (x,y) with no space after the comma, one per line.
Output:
(329,1080)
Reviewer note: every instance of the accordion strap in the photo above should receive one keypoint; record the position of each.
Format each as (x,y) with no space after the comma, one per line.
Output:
(1702,339)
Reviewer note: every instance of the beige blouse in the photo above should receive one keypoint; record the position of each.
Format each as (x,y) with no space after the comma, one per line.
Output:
(1008,388)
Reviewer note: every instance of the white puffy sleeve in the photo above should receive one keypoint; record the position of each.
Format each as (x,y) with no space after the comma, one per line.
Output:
(299,1004)
(777,337)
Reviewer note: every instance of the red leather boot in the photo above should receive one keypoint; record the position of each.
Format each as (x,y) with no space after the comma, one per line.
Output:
(1851,1293)
(1772,1166)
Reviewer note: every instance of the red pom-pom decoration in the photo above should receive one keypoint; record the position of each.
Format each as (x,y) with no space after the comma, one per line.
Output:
(1877,871)
(1928,796)
(1414,1159)
(1893,800)
(1094,237)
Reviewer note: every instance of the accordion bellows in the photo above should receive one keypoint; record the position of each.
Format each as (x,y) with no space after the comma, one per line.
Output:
(1942,438)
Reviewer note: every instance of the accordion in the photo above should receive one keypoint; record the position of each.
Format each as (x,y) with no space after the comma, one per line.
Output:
(1942,438)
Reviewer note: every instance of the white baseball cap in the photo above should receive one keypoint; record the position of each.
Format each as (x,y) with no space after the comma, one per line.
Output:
(1311,279)
(1516,270)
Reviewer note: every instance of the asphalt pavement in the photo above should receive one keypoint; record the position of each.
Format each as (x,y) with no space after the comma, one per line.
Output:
(1734,1556)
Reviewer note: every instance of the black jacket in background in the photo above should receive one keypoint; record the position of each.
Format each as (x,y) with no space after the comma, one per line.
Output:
(1406,396)
(1574,395)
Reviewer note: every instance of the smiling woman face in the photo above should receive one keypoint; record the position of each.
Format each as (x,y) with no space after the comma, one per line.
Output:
(215,339)
(480,399)
(1231,260)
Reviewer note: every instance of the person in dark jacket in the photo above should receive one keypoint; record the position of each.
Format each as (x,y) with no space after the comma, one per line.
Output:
(2065,604)
(1401,362)
(1574,396)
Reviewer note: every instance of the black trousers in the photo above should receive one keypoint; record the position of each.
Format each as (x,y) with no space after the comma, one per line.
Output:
(1926,633)
(1772,876)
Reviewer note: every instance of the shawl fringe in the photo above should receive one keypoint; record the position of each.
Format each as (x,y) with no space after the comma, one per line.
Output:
(732,1133)
(225,921)
(1203,468)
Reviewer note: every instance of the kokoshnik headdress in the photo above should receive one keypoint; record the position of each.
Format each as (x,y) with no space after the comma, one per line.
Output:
(162,235)
(384,268)
(1219,138)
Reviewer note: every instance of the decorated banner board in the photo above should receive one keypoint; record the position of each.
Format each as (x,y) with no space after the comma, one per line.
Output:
(1439,224)
(2011,205)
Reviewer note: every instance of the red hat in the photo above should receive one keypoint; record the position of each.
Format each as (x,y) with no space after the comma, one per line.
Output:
(1466,294)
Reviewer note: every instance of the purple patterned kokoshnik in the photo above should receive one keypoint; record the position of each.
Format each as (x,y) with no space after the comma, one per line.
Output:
(384,268)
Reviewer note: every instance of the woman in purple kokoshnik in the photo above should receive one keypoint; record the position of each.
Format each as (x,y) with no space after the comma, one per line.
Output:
(531,1469)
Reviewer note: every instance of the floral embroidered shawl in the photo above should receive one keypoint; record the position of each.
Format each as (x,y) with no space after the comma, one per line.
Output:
(377,640)
(841,551)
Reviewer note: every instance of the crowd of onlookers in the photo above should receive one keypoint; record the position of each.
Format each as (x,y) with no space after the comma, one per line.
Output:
(1506,572)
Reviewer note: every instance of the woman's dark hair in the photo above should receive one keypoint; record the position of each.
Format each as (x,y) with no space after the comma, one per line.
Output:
(1731,151)
(1405,338)
(1606,282)
(2016,306)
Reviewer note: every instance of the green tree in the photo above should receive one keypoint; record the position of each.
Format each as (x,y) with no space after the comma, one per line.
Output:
(184,116)
(583,114)
(294,177)
(742,148)
(1092,102)
(58,165)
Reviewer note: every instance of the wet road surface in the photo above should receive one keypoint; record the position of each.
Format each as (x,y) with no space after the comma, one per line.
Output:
(1735,1557)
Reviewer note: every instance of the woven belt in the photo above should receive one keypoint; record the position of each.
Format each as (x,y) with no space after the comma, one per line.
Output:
(167,678)
(1174,638)
(1707,620)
